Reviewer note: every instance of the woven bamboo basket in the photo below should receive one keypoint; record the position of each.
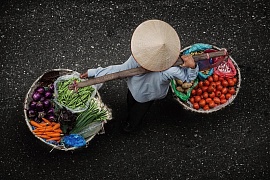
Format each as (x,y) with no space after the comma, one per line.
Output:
(187,105)
(44,80)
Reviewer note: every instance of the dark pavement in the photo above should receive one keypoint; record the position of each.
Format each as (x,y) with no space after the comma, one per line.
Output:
(233,143)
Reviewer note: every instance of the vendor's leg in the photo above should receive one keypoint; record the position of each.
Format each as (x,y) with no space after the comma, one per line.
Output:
(136,113)
(130,101)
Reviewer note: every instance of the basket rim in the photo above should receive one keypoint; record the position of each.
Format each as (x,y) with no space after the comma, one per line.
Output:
(222,105)
(58,147)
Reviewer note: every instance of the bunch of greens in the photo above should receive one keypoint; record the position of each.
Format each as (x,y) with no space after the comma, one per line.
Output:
(93,114)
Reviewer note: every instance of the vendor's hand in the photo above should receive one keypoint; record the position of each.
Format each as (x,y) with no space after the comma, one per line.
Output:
(84,75)
(188,61)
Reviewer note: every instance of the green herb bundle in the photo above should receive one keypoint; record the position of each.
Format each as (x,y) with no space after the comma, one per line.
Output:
(93,114)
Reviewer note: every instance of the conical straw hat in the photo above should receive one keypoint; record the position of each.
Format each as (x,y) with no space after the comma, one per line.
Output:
(155,45)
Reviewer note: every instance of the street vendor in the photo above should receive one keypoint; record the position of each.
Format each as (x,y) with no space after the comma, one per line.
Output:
(155,46)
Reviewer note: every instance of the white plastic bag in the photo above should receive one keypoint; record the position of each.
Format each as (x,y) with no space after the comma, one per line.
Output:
(67,77)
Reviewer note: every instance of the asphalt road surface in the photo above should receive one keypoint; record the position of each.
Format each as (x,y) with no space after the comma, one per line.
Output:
(233,143)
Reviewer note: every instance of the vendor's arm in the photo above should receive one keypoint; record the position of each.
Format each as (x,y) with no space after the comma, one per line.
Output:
(130,63)
(182,73)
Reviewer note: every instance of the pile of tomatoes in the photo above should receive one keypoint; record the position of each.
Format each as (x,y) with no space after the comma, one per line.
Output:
(213,91)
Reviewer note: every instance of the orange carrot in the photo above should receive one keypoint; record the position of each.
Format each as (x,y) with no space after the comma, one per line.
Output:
(44,136)
(58,130)
(44,124)
(33,123)
(53,134)
(35,130)
(54,139)
(54,123)
(46,121)
(56,126)
(39,133)
(43,129)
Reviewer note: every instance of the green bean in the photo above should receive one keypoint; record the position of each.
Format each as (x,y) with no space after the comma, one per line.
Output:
(70,98)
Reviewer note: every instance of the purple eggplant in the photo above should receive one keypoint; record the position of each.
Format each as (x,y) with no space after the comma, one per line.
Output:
(40,90)
(39,106)
(48,95)
(46,103)
(33,104)
(36,96)
(31,113)
(50,111)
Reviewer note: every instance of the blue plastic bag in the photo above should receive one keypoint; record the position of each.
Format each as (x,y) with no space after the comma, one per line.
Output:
(74,140)
(197,47)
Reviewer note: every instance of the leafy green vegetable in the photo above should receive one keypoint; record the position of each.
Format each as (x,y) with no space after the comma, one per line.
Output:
(93,114)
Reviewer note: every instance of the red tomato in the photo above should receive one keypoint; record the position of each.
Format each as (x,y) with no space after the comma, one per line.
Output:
(234,80)
(228,96)
(224,90)
(218,83)
(215,77)
(196,106)
(193,92)
(197,98)
(199,92)
(213,84)
(218,93)
(222,96)
(211,104)
(205,95)
(191,100)
(216,100)
(212,94)
(202,103)
(207,100)
(224,83)
(230,82)
(206,83)
(219,87)
(222,101)
(210,79)
(220,79)
(206,107)
(211,89)
(231,90)
(204,88)
(200,84)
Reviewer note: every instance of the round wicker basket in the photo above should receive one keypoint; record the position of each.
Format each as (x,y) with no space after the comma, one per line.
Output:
(44,80)
(187,104)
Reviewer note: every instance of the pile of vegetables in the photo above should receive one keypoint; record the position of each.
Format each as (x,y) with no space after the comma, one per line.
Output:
(183,87)
(58,125)
(70,98)
(41,105)
(213,91)
(50,131)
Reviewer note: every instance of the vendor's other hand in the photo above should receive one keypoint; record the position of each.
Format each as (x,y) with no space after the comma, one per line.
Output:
(188,61)
(84,75)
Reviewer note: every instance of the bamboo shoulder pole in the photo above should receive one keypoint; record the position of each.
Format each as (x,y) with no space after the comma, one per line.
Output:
(140,70)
